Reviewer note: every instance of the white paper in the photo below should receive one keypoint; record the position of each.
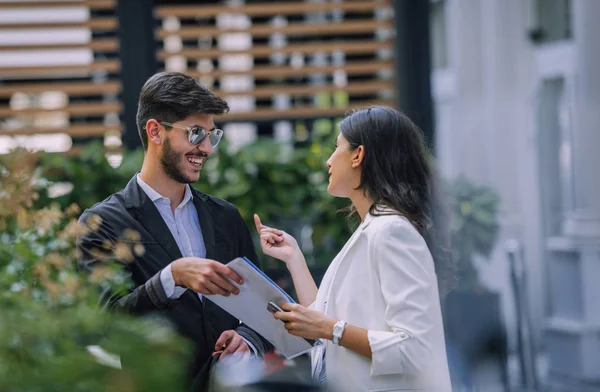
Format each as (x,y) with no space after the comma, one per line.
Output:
(250,307)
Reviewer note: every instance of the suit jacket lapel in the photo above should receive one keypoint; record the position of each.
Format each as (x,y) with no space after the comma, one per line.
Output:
(146,213)
(206,224)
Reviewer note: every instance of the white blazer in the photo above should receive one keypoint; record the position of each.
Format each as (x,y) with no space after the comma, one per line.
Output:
(384,280)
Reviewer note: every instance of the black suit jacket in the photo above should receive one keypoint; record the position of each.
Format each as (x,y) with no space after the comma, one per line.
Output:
(226,237)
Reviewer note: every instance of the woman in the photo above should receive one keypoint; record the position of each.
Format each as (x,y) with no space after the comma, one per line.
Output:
(378,307)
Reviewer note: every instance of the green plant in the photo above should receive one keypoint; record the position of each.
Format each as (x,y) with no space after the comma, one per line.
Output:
(285,185)
(474,226)
(50,314)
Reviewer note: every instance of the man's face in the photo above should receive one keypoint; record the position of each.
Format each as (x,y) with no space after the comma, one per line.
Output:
(181,160)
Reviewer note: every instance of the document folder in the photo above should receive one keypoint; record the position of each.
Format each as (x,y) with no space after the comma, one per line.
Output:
(251,305)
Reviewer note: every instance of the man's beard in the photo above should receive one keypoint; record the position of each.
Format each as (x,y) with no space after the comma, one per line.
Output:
(171,163)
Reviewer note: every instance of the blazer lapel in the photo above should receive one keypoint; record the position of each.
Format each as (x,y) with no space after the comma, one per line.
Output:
(206,224)
(145,212)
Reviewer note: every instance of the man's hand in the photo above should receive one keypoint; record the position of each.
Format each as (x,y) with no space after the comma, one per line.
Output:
(230,342)
(205,276)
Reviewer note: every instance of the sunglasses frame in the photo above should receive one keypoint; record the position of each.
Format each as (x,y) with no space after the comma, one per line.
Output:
(194,130)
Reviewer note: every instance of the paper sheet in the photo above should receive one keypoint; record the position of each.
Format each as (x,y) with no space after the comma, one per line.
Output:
(250,307)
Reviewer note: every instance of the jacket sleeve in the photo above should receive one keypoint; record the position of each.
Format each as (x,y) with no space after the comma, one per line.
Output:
(405,269)
(97,244)
(246,248)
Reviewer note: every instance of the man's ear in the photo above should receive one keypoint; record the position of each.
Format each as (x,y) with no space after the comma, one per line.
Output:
(358,156)
(153,131)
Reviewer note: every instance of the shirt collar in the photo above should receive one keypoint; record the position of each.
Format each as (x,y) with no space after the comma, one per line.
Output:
(154,195)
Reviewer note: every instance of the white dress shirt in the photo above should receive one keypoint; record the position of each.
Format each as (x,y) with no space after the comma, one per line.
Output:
(185,228)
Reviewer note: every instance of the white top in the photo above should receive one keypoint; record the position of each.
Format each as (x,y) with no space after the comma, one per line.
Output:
(384,280)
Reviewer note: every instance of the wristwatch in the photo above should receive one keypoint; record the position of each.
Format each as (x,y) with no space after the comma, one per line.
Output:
(338,331)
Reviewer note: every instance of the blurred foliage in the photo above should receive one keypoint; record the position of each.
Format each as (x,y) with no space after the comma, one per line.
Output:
(49,310)
(285,184)
(474,226)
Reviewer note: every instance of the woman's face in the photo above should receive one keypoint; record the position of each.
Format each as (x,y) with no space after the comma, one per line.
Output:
(344,172)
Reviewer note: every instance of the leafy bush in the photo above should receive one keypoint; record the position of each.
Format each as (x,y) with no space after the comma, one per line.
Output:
(50,315)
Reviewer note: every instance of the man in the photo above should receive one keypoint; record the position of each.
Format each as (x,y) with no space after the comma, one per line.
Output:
(186,234)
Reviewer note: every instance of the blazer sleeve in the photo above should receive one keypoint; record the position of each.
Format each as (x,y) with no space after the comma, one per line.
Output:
(405,269)
(98,243)
(246,248)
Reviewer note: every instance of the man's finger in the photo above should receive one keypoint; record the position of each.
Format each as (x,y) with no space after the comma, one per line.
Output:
(224,270)
(232,346)
(224,339)
(224,284)
(211,289)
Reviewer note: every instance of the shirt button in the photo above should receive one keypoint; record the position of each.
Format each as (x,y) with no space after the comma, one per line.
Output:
(402,335)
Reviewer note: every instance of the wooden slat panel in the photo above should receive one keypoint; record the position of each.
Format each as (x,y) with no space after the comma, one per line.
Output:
(93,4)
(264,30)
(83,130)
(72,89)
(298,112)
(74,109)
(59,70)
(266,50)
(272,71)
(100,45)
(105,23)
(266,8)
(366,87)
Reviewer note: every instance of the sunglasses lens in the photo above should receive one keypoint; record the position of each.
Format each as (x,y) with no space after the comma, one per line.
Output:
(196,135)
(215,137)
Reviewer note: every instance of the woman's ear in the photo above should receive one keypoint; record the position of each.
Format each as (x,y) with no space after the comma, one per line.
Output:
(358,156)
(153,131)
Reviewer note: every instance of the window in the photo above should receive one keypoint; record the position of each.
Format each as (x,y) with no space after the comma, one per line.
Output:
(550,20)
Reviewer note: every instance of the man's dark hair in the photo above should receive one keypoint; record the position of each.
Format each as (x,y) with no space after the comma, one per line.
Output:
(173,96)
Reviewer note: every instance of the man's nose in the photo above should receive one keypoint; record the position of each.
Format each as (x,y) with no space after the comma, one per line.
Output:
(205,146)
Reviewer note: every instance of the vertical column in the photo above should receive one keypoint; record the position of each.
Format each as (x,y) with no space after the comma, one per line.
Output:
(574,324)
(413,64)
(137,51)
(585,220)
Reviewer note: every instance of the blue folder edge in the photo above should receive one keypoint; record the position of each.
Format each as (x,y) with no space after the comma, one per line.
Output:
(269,279)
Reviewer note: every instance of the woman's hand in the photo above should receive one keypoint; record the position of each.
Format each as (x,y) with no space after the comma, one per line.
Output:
(277,243)
(304,322)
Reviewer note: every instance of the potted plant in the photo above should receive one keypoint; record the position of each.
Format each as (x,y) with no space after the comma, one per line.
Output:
(472,313)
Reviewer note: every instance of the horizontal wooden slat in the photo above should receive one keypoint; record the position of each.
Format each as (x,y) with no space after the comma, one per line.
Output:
(79,130)
(72,88)
(74,109)
(267,8)
(366,87)
(272,71)
(105,23)
(264,30)
(59,70)
(100,45)
(354,47)
(298,112)
(92,4)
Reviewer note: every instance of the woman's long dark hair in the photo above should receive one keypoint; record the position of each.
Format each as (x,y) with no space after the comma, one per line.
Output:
(397,173)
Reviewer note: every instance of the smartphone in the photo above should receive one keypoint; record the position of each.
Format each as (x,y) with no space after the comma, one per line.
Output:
(273,307)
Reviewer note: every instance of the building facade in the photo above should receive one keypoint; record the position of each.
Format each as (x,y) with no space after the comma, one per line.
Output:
(516,89)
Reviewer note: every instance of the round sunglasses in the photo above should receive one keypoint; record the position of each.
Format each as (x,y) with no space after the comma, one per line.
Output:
(196,133)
